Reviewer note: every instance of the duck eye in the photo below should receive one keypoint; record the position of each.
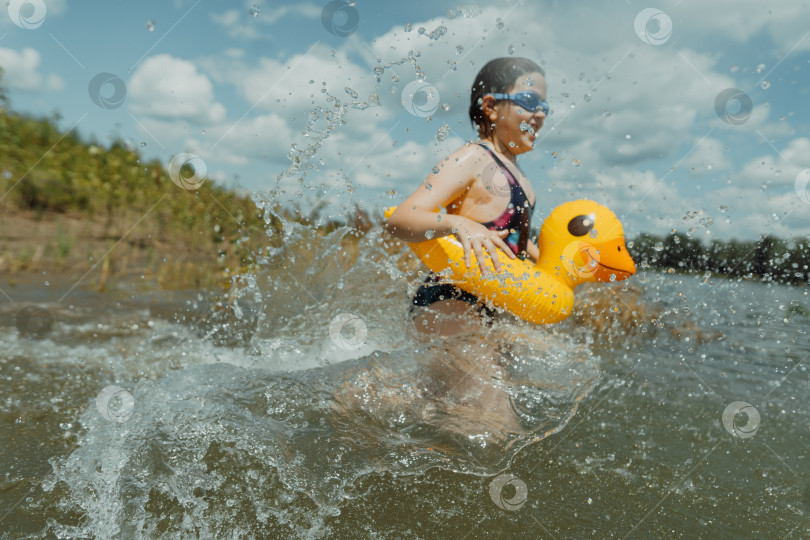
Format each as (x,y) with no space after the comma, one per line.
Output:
(581,225)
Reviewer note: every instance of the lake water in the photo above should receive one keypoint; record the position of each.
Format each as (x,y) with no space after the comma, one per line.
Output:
(312,409)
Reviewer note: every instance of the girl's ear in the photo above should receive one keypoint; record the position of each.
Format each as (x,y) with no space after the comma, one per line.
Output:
(488,107)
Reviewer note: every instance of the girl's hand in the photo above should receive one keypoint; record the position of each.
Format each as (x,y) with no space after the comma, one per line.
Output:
(475,237)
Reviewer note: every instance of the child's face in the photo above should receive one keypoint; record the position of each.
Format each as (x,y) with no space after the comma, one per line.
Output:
(515,126)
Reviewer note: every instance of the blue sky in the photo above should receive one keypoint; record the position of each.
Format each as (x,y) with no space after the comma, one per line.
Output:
(634,121)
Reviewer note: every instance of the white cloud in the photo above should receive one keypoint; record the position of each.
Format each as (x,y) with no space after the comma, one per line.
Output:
(708,156)
(234,25)
(604,85)
(249,23)
(254,139)
(292,87)
(777,167)
(785,21)
(171,88)
(21,72)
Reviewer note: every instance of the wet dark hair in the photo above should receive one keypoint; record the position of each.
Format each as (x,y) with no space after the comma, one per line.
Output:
(497,75)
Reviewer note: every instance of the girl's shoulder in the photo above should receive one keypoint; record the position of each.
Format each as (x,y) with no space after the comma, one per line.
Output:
(470,157)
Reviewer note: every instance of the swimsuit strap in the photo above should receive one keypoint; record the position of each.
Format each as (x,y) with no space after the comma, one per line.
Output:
(509,176)
(518,201)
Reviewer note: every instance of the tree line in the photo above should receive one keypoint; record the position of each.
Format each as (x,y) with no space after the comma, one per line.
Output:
(769,258)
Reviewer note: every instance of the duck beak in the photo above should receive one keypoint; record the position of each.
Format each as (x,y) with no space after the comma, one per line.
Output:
(614,260)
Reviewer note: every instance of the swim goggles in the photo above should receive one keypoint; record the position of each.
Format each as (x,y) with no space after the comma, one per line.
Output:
(529,101)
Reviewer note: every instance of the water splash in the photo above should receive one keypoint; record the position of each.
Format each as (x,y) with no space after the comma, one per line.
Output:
(295,420)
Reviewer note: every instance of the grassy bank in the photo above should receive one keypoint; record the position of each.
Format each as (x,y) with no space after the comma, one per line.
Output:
(69,206)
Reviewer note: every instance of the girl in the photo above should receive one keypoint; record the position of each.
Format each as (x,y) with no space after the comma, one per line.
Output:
(488,199)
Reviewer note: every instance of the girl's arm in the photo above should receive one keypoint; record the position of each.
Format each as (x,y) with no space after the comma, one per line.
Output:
(417,214)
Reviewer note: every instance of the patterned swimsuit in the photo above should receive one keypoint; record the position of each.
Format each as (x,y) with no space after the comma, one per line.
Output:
(515,218)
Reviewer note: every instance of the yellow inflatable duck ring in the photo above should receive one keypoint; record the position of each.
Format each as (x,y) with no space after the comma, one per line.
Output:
(579,241)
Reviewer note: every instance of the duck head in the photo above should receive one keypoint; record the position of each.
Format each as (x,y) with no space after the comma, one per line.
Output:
(583,241)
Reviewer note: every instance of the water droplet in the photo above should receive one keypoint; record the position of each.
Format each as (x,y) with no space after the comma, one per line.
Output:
(351,92)
(445,107)
(510,50)
(499,23)
(408,27)
(421,31)
(429,234)
(203,132)
(150,25)
(143,144)
(765,85)
(459,49)
(706,222)
(470,12)
(723,207)
(443,133)
(255,11)
(659,246)
(760,68)
(581,76)
(437,33)
(607,113)
(587,97)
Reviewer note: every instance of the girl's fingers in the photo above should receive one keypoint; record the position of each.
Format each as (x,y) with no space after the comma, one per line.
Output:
(465,244)
(506,249)
(493,254)
(476,242)
(479,255)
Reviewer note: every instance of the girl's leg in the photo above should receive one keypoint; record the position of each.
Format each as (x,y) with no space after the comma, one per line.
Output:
(447,318)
